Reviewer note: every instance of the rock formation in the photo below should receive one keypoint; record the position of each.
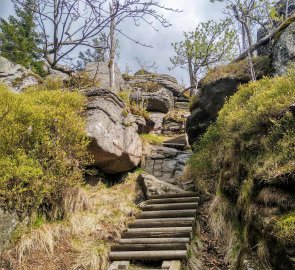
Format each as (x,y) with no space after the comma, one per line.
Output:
(99,71)
(16,76)
(115,143)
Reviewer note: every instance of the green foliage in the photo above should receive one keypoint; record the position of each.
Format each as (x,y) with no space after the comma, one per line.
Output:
(210,44)
(19,39)
(154,139)
(251,144)
(285,227)
(42,147)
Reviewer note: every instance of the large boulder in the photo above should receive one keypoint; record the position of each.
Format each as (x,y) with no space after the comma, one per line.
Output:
(16,76)
(216,87)
(115,143)
(284,51)
(163,80)
(152,186)
(99,71)
(154,101)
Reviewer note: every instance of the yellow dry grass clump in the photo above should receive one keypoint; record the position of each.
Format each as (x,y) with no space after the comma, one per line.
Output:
(96,216)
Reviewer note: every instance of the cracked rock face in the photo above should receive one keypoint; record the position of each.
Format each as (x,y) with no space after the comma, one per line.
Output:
(16,76)
(115,143)
(284,51)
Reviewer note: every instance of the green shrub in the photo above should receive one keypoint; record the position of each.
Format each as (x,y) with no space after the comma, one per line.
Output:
(251,146)
(154,139)
(42,147)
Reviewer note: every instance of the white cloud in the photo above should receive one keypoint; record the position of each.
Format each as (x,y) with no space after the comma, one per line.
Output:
(194,11)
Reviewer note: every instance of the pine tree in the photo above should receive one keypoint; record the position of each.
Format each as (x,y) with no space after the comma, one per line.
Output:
(19,39)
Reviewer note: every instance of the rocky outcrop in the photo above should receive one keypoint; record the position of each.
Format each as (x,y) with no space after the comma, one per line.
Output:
(115,143)
(156,101)
(144,125)
(167,164)
(212,99)
(165,81)
(8,223)
(153,186)
(99,71)
(16,76)
(284,51)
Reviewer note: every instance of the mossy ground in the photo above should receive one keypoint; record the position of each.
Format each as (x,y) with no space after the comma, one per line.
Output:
(248,149)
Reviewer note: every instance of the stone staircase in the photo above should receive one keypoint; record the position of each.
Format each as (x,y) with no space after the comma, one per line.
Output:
(161,232)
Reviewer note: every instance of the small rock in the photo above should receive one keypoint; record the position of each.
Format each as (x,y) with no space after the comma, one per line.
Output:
(152,186)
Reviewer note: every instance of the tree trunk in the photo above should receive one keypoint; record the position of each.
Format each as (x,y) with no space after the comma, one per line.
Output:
(250,55)
(55,30)
(112,47)
(287,9)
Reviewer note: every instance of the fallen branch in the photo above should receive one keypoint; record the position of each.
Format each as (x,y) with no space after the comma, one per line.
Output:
(268,38)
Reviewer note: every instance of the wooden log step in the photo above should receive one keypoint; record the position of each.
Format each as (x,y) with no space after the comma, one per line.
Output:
(156,234)
(154,240)
(171,206)
(167,214)
(178,195)
(172,200)
(163,222)
(149,255)
(161,229)
(146,247)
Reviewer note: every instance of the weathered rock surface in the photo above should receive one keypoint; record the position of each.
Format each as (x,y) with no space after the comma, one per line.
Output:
(163,80)
(158,101)
(174,122)
(211,100)
(167,164)
(284,51)
(144,125)
(153,186)
(8,223)
(115,143)
(158,119)
(16,76)
(99,71)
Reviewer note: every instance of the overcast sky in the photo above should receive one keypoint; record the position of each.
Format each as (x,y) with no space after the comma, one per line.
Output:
(194,11)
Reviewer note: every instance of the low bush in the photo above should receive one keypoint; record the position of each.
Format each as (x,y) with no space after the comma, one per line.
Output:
(42,147)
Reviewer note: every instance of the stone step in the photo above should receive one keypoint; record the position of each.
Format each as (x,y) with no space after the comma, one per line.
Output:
(178,195)
(172,200)
(171,206)
(155,240)
(162,222)
(149,255)
(156,234)
(147,247)
(161,229)
(167,214)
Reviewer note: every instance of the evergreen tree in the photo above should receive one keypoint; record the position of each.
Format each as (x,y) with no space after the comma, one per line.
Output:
(19,39)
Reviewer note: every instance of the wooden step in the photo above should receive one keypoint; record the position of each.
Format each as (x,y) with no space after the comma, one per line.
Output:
(149,255)
(167,214)
(172,200)
(170,206)
(178,195)
(146,247)
(155,240)
(162,222)
(161,229)
(156,234)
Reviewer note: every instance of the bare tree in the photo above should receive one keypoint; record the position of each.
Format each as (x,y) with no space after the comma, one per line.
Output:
(66,25)
(249,14)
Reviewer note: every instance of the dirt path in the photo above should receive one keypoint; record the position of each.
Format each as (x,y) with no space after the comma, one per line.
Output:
(207,253)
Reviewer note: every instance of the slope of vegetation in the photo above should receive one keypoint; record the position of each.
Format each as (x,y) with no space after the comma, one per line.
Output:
(247,160)
(42,148)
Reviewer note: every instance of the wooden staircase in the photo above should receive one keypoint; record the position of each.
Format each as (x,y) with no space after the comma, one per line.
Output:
(161,232)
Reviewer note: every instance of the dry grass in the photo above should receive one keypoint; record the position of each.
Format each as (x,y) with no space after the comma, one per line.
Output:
(83,239)
(223,223)
(272,196)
